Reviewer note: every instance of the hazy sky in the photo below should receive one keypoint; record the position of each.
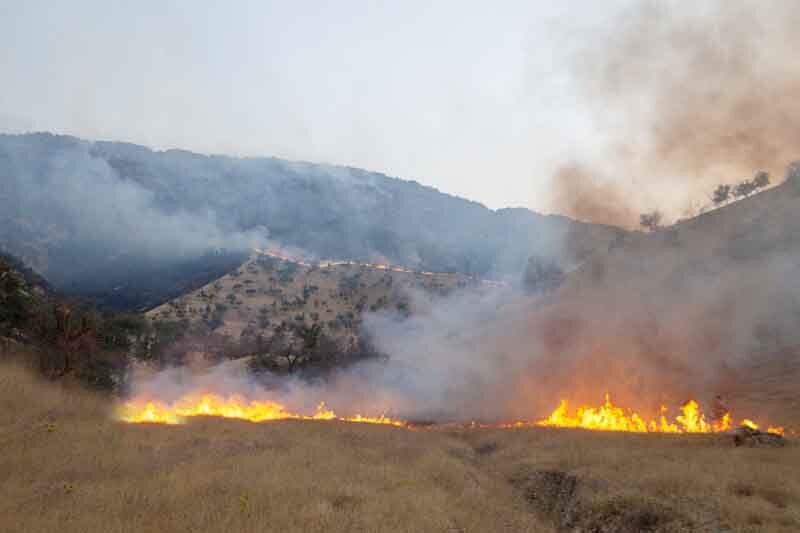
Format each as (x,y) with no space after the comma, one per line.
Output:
(471,98)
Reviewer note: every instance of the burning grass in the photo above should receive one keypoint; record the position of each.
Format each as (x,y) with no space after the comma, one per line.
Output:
(610,417)
(67,466)
(139,410)
(607,417)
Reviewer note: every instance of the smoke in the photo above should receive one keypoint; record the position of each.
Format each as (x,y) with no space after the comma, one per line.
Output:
(444,362)
(102,208)
(83,207)
(657,321)
(690,96)
(577,193)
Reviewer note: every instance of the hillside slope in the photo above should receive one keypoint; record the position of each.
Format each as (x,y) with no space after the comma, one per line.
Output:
(124,223)
(708,306)
(269,293)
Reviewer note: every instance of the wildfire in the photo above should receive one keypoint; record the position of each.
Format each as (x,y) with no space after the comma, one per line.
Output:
(607,417)
(377,266)
(610,417)
(152,411)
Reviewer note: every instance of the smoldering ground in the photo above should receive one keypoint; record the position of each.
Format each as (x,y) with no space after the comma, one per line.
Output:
(686,97)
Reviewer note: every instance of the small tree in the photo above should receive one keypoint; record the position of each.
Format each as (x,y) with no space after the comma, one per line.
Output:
(761,179)
(744,189)
(793,177)
(721,194)
(14,300)
(651,221)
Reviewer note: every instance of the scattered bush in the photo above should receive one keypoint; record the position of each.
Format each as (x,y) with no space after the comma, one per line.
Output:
(651,221)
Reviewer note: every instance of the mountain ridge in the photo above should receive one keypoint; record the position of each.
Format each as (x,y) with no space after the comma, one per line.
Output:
(166,209)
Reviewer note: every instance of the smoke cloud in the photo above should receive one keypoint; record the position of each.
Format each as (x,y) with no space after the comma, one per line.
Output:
(690,97)
(102,208)
(656,321)
(84,209)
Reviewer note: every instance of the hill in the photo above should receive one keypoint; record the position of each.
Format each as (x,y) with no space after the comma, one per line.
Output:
(132,227)
(271,296)
(710,304)
(702,308)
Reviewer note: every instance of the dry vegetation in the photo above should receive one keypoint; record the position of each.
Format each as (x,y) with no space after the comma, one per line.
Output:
(66,466)
(266,291)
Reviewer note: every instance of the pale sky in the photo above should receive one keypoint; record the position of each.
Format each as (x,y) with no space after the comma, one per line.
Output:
(474,98)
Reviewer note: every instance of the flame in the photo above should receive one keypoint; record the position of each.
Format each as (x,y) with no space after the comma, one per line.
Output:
(607,417)
(749,424)
(777,430)
(330,263)
(138,410)
(610,417)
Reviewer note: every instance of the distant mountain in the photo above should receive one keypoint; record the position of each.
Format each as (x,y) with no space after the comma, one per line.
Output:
(133,227)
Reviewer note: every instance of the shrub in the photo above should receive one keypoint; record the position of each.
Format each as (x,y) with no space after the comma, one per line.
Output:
(651,221)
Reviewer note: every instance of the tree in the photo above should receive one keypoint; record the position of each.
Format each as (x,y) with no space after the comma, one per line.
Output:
(14,300)
(721,194)
(793,177)
(651,221)
(761,179)
(70,338)
(744,189)
(309,335)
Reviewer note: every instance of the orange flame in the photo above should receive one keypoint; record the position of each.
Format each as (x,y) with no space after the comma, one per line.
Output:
(607,417)
(777,430)
(610,417)
(140,410)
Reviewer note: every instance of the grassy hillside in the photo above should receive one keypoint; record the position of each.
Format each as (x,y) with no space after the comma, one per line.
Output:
(710,305)
(268,293)
(67,466)
(287,315)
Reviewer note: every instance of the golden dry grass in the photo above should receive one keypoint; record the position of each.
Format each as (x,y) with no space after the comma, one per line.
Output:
(698,482)
(66,466)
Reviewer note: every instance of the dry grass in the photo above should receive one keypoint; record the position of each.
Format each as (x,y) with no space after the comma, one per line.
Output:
(67,467)
(658,483)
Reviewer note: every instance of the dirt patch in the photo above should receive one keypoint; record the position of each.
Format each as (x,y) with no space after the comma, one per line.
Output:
(572,505)
(775,496)
(551,493)
(628,514)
